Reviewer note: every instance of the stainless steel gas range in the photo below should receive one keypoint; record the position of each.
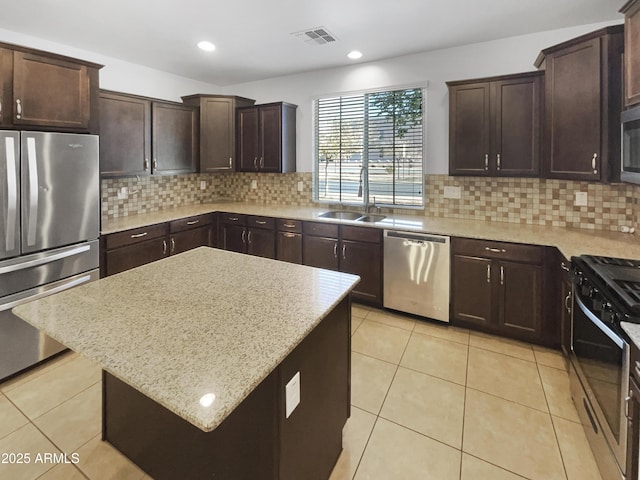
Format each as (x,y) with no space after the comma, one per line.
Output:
(606,291)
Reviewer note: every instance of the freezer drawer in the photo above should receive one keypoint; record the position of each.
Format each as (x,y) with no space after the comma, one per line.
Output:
(416,274)
(21,345)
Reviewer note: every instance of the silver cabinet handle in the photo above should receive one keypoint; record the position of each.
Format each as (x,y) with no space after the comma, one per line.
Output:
(193,222)
(289,225)
(138,235)
(244,235)
(0,109)
(164,247)
(33,190)
(234,219)
(18,109)
(12,191)
(173,245)
(486,161)
(288,235)
(626,405)
(593,163)
(564,267)
(495,250)
(261,222)
(567,302)
(335,250)
(249,237)
(488,273)
(261,162)
(637,369)
(501,275)
(498,161)
(255,163)
(344,252)
(155,164)
(146,164)
(230,163)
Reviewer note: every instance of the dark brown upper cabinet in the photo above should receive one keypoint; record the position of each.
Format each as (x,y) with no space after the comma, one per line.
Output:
(631,12)
(583,101)
(266,138)
(143,136)
(217,130)
(47,91)
(495,125)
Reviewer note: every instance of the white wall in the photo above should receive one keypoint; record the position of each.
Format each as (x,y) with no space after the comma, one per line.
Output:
(510,55)
(119,75)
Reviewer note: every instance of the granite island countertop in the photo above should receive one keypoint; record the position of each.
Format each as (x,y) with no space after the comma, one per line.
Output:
(570,241)
(633,330)
(203,322)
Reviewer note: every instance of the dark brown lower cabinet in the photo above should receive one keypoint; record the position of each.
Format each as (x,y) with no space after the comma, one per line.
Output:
(261,242)
(289,247)
(234,238)
(189,239)
(321,252)
(633,433)
(563,304)
(254,235)
(131,256)
(501,288)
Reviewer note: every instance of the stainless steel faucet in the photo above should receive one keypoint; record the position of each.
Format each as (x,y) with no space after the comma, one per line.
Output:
(368,206)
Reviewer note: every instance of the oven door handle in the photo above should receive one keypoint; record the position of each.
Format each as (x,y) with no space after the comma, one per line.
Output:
(598,323)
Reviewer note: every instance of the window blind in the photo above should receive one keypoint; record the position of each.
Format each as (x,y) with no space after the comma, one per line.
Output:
(368,146)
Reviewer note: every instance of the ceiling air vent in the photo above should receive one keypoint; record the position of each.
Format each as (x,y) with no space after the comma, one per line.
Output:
(315,36)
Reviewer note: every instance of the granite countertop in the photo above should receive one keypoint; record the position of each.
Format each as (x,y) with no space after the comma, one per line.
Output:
(633,330)
(206,321)
(569,241)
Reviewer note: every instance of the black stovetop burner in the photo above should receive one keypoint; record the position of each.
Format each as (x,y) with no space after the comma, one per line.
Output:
(620,275)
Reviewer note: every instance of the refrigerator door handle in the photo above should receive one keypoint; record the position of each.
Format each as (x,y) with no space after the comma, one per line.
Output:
(33,190)
(44,260)
(57,289)
(12,190)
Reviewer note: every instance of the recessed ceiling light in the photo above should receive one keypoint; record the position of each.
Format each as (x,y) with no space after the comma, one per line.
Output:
(354,55)
(206,46)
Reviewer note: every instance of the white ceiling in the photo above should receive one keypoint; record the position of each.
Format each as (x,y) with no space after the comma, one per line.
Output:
(253,37)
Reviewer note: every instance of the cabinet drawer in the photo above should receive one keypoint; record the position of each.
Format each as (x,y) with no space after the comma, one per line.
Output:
(233,218)
(362,234)
(189,223)
(136,235)
(261,222)
(499,250)
(132,256)
(286,225)
(320,229)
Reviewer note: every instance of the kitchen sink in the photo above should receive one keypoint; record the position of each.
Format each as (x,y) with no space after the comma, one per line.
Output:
(357,216)
(371,218)
(342,215)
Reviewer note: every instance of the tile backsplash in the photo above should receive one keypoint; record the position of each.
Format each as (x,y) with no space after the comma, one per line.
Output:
(515,200)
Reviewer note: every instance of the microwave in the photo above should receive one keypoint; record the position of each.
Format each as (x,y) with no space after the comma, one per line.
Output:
(630,124)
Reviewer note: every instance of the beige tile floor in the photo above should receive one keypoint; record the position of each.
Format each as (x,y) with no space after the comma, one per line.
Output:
(429,402)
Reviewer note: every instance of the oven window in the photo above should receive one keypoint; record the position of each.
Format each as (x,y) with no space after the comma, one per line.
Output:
(600,360)
(631,146)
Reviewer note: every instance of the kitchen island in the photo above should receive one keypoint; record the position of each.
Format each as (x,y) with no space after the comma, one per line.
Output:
(197,351)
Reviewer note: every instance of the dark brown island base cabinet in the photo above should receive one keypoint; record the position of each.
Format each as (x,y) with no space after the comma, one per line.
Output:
(583,101)
(250,234)
(132,248)
(143,136)
(495,125)
(40,90)
(217,130)
(266,136)
(500,288)
(349,249)
(631,12)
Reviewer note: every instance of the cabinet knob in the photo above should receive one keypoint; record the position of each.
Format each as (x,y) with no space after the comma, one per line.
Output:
(18,109)
(593,163)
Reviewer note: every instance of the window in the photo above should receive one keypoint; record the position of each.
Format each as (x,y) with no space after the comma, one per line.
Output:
(368,146)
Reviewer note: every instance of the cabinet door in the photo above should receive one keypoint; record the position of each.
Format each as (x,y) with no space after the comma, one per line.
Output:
(234,238)
(126,258)
(125,135)
(50,92)
(189,239)
(321,252)
(516,126)
(469,129)
(632,54)
(270,138)
(261,242)
(633,435)
(573,113)
(217,132)
(174,133)
(471,290)
(365,260)
(248,139)
(520,314)
(6,87)
(565,309)
(289,247)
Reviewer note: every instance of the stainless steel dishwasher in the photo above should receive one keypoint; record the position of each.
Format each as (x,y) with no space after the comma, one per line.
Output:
(416,274)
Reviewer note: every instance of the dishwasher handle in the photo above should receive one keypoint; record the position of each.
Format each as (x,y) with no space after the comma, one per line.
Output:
(416,236)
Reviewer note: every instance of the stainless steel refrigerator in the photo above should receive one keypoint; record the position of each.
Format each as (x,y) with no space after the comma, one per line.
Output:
(49,228)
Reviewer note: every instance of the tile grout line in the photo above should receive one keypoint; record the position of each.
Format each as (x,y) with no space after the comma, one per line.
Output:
(464,407)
